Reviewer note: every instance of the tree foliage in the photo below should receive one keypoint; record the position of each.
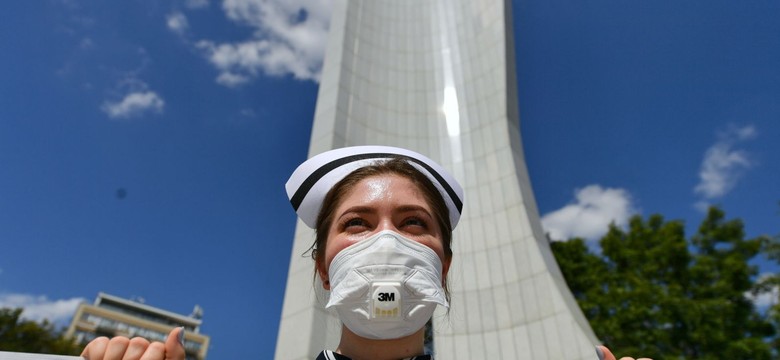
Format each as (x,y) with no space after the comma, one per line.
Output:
(771,284)
(654,293)
(18,335)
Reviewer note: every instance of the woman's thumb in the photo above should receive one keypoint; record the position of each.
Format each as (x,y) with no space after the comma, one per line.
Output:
(604,353)
(174,345)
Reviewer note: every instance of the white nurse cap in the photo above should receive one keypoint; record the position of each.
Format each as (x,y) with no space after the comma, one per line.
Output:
(312,180)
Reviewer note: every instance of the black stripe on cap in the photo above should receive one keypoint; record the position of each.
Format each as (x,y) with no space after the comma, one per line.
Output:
(300,194)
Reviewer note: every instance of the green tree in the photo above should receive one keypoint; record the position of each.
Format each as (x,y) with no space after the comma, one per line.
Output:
(20,335)
(654,293)
(770,284)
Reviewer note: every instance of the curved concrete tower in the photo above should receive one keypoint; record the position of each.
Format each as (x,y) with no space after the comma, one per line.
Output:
(437,76)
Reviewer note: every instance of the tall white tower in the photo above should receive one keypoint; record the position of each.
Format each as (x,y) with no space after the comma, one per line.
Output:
(438,77)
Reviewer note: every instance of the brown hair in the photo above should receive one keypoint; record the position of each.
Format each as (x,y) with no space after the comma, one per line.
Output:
(395,166)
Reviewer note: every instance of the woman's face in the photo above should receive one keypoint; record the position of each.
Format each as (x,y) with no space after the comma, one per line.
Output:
(377,203)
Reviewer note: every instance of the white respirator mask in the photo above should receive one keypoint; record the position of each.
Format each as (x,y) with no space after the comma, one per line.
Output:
(386,286)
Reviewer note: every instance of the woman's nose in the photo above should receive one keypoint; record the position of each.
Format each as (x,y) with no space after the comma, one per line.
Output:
(386,225)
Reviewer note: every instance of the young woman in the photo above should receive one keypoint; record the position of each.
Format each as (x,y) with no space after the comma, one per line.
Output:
(383,244)
(383,218)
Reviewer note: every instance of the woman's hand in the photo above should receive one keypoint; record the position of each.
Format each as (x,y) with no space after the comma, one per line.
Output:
(605,354)
(122,348)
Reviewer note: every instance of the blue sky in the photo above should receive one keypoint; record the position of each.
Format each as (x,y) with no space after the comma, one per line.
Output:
(144,144)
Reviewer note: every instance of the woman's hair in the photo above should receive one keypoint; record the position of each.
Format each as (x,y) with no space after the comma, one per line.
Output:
(395,166)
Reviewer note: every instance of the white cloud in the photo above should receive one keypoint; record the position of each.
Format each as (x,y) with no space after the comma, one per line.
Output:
(766,300)
(590,215)
(196,4)
(38,308)
(134,104)
(177,23)
(746,132)
(289,38)
(86,43)
(246,112)
(230,79)
(723,166)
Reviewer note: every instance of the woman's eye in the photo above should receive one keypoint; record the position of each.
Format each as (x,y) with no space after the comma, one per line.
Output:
(415,222)
(354,222)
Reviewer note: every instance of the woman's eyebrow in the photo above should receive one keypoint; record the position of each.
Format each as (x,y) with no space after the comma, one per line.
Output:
(358,210)
(408,208)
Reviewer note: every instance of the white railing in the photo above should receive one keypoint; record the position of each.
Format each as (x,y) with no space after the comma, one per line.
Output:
(4,355)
